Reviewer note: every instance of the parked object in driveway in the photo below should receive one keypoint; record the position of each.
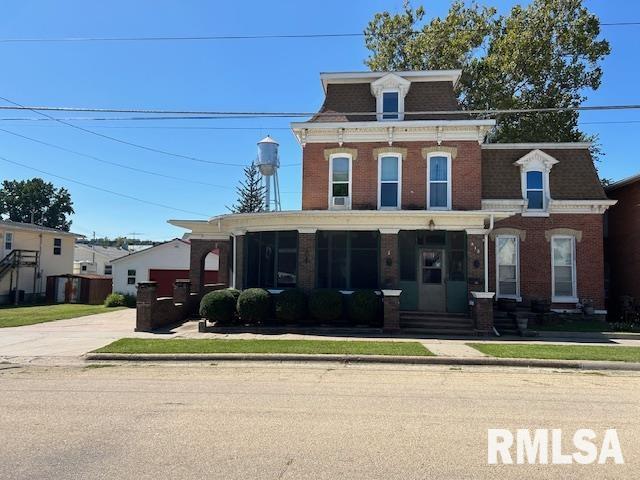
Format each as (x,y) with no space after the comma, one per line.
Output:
(69,288)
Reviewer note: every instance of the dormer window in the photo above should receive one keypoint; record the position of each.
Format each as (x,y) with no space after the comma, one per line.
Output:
(390,91)
(535,190)
(534,178)
(390,105)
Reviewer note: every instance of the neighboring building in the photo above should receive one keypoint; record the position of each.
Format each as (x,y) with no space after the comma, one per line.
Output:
(622,239)
(95,259)
(164,263)
(30,253)
(400,193)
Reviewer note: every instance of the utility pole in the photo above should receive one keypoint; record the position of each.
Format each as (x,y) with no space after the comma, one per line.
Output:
(93,249)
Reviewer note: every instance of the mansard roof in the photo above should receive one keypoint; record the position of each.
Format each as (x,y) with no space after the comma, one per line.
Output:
(573,177)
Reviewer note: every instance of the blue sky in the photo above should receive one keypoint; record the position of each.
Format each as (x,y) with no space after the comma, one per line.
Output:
(243,75)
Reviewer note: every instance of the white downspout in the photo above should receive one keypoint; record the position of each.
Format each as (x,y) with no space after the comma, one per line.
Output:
(486,255)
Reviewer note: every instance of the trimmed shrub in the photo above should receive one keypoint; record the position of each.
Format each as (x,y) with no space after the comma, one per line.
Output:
(115,300)
(218,306)
(363,307)
(236,293)
(254,305)
(325,305)
(291,305)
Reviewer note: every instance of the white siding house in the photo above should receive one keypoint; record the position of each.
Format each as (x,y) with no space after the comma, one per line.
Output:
(95,259)
(52,248)
(167,259)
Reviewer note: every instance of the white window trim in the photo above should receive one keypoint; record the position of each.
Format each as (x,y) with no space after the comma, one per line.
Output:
(449,182)
(536,161)
(565,299)
(380,105)
(330,192)
(517,296)
(399,181)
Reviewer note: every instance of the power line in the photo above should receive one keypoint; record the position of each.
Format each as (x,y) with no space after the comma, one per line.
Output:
(125,142)
(198,114)
(123,195)
(225,37)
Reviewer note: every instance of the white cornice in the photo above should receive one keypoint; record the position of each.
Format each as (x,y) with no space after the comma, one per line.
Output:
(516,206)
(304,220)
(533,146)
(392,131)
(414,76)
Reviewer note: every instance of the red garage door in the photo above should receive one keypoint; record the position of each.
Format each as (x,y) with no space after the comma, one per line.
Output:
(166,279)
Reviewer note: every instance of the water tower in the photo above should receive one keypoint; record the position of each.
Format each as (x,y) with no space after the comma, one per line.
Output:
(268,162)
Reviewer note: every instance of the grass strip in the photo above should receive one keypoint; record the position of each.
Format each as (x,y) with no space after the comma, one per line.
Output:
(17,316)
(342,347)
(559,352)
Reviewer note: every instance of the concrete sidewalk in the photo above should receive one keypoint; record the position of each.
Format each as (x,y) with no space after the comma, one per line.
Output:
(68,338)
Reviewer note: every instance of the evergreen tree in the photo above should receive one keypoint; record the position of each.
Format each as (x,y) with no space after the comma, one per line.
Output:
(250,192)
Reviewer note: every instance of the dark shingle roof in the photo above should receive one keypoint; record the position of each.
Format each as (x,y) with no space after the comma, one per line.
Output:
(357,97)
(574,177)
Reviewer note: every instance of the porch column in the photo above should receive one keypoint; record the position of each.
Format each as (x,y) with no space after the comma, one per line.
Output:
(390,278)
(389,259)
(238,266)
(306,259)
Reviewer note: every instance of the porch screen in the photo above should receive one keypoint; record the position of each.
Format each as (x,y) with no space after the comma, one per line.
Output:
(272,259)
(347,260)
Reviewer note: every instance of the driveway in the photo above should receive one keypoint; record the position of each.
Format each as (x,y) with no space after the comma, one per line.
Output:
(68,338)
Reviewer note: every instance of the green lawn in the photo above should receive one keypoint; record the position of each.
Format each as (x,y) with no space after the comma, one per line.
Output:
(559,352)
(137,345)
(28,315)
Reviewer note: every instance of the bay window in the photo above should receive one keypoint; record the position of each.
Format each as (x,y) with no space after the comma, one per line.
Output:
(439,182)
(563,269)
(390,175)
(507,267)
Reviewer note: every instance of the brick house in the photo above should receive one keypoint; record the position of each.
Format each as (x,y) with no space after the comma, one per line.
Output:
(622,239)
(401,193)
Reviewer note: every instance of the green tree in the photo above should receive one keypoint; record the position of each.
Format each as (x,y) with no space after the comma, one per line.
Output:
(36,201)
(250,192)
(544,55)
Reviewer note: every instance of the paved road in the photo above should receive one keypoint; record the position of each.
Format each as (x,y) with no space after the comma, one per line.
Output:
(67,338)
(298,421)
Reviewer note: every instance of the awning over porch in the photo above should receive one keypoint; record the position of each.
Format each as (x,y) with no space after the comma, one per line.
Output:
(387,221)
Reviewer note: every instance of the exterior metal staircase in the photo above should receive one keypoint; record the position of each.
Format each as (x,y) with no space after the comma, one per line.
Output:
(17,259)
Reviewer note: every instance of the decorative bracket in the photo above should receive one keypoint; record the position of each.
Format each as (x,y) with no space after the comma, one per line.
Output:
(439,135)
(390,135)
(340,136)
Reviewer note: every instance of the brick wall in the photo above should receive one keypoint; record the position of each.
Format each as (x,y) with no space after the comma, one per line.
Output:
(535,256)
(623,242)
(466,175)
(389,261)
(306,261)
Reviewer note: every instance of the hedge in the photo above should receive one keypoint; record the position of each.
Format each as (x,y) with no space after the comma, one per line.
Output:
(363,306)
(254,305)
(219,306)
(325,305)
(291,305)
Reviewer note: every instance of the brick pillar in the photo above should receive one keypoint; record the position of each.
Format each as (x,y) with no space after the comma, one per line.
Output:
(239,254)
(391,300)
(389,260)
(145,304)
(483,312)
(475,263)
(306,261)
(181,291)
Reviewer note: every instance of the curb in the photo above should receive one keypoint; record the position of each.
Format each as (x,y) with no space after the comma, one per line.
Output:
(550,334)
(388,359)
